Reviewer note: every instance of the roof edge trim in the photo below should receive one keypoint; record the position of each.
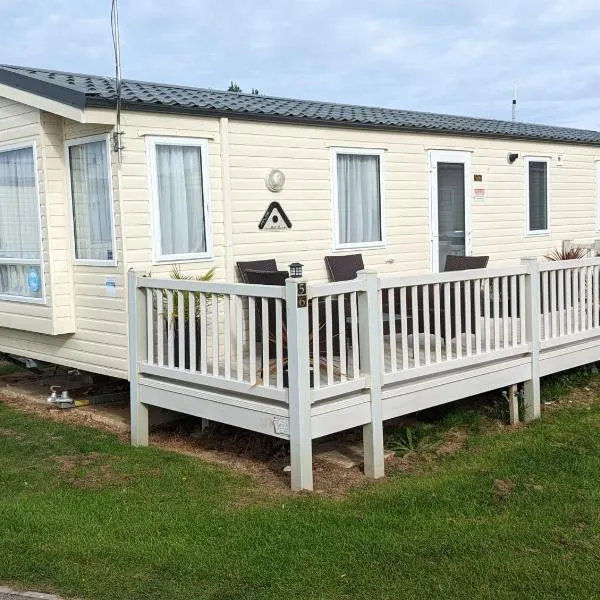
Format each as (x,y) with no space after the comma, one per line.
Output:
(253,116)
(45,89)
(41,103)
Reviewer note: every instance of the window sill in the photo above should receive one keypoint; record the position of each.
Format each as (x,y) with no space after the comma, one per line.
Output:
(185,259)
(95,263)
(537,233)
(22,299)
(361,246)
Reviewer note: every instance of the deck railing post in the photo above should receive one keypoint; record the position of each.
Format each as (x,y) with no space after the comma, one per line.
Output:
(532,321)
(596,248)
(137,348)
(369,323)
(299,406)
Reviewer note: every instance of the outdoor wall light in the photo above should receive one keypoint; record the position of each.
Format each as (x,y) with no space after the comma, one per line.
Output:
(275,180)
(296,270)
(512,156)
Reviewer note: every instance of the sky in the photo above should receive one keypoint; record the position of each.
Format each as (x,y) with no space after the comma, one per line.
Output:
(452,56)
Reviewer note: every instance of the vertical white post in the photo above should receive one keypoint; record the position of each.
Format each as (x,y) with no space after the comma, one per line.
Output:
(596,248)
(532,321)
(369,315)
(299,384)
(137,348)
(567,245)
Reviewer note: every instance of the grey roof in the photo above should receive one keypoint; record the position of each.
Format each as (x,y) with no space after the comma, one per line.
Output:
(97,91)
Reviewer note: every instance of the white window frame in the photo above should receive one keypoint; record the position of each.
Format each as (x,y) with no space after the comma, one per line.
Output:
(453,157)
(337,246)
(527,161)
(202,143)
(77,142)
(26,261)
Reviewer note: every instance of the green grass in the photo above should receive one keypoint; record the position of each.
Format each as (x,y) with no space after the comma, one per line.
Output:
(9,368)
(84,515)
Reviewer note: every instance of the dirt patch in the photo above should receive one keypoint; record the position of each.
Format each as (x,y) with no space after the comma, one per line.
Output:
(455,441)
(76,416)
(503,488)
(582,396)
(88,471)
(9,433)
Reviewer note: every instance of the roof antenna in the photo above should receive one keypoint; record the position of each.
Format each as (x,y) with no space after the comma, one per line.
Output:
(514,104)
(114,24)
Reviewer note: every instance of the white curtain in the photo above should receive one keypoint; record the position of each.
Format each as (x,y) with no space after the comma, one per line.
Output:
(359,198)
(90,192)
(181,199)
(19,224)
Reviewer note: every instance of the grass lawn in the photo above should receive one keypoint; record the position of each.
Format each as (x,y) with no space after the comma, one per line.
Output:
(515,514)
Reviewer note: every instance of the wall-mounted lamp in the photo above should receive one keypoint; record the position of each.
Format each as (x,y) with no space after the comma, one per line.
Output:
(512,156)
(275,180)
(296,270)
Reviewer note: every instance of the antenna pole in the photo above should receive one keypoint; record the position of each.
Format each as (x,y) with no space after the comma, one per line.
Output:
(114,21)
(514,104)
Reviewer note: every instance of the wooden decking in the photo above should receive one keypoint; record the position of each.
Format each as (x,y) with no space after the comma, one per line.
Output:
(381,346)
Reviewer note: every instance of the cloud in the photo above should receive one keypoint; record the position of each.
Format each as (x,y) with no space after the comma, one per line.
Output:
(457,57)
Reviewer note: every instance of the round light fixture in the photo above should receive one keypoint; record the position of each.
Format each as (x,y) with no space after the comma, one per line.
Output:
(275,180)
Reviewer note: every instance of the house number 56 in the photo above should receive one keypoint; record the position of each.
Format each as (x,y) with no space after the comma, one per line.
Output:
(302,300)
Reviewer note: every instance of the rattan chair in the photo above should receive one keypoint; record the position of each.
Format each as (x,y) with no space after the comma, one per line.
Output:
(257,277)
(344,268)
(269,264)
(464,263)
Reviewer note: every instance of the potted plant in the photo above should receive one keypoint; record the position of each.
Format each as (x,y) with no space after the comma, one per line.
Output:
(173,316)
(572,253)
(559,254)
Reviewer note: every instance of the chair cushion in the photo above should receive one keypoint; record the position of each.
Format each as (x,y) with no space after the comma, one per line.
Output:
(268,264)
(464,263)
(266,277)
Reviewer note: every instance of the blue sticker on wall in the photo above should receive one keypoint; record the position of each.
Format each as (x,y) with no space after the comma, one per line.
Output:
(33,281)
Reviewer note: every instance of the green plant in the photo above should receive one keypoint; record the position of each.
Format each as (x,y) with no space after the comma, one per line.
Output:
(177,273)
(422,437)
(573,253)
(404,442)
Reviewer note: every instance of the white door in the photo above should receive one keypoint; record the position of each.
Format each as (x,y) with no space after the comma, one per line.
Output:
(450,205)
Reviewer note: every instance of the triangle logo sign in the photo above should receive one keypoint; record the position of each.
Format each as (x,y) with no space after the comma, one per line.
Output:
(275,218)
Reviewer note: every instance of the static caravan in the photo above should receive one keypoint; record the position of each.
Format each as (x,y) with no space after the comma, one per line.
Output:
(206,178)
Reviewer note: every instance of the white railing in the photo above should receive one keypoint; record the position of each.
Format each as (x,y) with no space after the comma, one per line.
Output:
(237,336)
(235,333)
(432,320)
(570,300)
(334,337)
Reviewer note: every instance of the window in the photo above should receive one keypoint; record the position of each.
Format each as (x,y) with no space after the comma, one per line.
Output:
(20,254)
(91,199)
(181,202)
(357,191)
(537,195)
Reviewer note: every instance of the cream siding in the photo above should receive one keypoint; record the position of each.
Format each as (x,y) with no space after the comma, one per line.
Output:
(498,223)
(241,153)
(93,324)
(20,124)
(136,188)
